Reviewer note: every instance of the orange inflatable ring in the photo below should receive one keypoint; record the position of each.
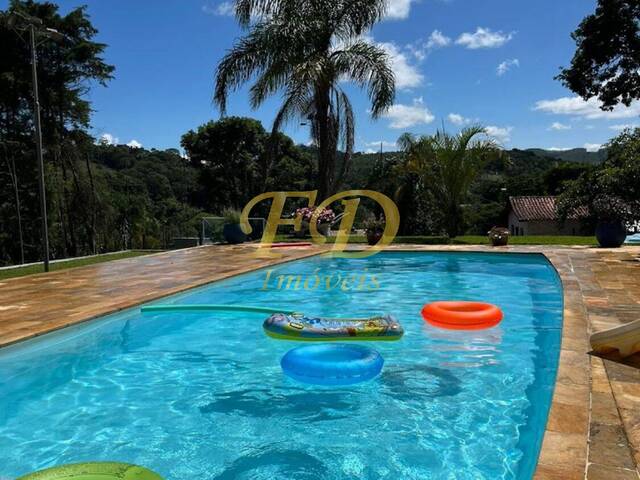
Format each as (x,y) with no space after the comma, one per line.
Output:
(462,315)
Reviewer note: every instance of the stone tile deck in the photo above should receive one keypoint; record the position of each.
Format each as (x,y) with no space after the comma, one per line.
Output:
(593,431)
(37,304)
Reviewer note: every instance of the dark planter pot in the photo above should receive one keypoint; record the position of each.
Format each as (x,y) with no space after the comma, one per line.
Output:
(611,234)
(373,237)
(499,242)
(258,230)
(499,237)
(232,233)
(304,230)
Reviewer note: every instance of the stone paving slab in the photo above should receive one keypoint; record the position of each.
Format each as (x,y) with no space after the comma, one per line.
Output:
(37,304)
(593,430)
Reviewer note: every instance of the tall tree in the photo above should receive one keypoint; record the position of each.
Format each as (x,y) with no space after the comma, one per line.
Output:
(66,70)
(9,159)
(231,156)
(607,60)
(305,50)
(447,165)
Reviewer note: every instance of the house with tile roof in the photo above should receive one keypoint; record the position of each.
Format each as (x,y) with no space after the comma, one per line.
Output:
(538,216)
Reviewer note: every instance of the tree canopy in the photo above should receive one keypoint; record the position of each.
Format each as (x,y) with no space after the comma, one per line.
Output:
(607,60)
(66,70)
(610,191)
(235,163)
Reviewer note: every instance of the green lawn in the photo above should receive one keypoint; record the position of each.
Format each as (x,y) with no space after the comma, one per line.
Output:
(80,262)
(531,240)
(472,240)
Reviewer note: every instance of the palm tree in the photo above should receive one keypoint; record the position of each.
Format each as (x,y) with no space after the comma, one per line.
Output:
(305,50)
(447,165)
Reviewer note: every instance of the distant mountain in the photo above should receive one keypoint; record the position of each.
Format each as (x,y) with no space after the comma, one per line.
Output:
(580,155)
(525,172)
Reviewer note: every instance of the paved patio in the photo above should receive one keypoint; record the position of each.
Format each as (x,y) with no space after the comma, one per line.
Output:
(593,429)
(37,304)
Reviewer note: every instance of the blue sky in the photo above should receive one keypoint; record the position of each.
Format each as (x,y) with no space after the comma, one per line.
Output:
(456,61)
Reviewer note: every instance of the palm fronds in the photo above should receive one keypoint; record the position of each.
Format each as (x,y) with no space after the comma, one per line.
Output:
(447,166)
(291,48)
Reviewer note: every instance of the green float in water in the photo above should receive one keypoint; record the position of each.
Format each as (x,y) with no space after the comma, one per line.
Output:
(94,471)
(212,308)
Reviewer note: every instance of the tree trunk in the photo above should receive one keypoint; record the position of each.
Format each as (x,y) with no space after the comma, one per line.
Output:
(71,246)
(326,145)
(63,230)
(453,220)
(93,207)
(11,166)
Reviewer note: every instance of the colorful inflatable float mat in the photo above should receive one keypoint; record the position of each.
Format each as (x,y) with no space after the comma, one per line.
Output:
(299,327)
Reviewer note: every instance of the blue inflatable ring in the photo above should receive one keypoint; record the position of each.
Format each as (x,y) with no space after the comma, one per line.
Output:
(332,364)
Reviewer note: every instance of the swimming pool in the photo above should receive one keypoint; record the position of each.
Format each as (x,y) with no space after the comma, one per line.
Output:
(201,395)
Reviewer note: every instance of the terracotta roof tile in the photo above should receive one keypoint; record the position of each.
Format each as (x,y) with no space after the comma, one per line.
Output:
(539,208)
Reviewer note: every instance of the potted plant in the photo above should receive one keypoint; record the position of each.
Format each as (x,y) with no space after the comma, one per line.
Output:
(607,195)
(374,229)
(499,236)
(231,231)
(325,219)
(611,213)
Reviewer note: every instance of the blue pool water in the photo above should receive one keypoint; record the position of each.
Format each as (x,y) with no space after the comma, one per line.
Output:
(202,396)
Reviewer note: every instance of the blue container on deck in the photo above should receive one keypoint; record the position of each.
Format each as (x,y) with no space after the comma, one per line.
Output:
(332,364)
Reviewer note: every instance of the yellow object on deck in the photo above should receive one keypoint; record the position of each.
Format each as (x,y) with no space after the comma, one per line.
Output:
(625,339)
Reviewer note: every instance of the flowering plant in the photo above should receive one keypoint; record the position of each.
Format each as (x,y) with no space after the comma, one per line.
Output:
(326,215)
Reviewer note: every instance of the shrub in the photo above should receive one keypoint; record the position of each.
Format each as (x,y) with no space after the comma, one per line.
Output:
(231,216)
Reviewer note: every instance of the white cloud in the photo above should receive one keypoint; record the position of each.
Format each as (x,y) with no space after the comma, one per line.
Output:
(398,9)
(370,151)
(590,109)
(502,134)
(623,126)
(458,119)
(483,38)
(405,116)
(505,66)
(558,149)
(224,9)
(438,40)
(108,139)
(421,49)
(407,75)
(384,143)
(559,126)
(592,147)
